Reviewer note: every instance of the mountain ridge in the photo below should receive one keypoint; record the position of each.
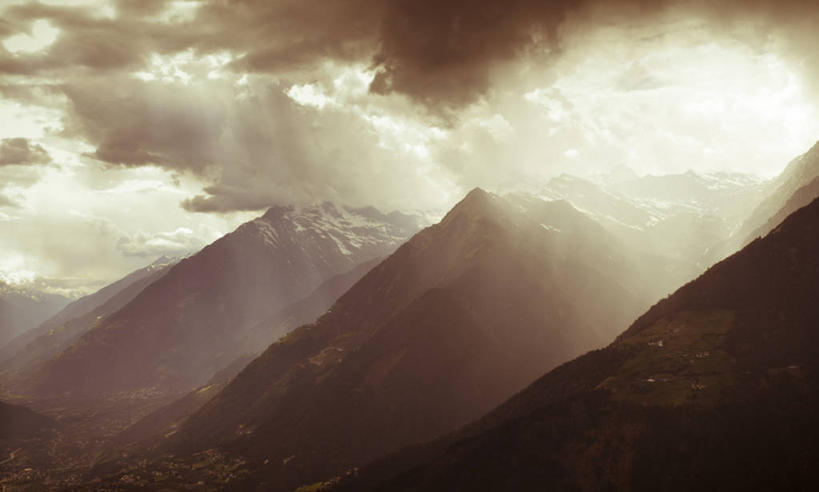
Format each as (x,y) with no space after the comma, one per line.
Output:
(22,309)
(199,316)
(798,173)
(506,274)
(731,351)
(59,331)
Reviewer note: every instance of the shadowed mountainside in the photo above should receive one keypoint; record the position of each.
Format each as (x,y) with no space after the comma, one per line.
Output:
(794,181)
(64,328)
(21,309)
(715,385)
(18,422)
(456,320)
(206,311)
(165,420)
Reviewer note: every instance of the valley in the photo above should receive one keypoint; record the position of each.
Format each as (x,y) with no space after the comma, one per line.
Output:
(404,348)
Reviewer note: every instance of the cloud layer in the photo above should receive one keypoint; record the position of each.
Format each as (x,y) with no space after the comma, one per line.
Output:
(228,106)
(19,151)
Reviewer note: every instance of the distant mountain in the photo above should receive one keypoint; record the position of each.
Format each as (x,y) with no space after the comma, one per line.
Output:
(722,194)
(683,217)
(794,188)
(18,422)
(64,328)
(460,317)
(22,308)
(205,311)
(715,387)
(606,207)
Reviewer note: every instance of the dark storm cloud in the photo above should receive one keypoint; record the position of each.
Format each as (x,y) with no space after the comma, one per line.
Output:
(27,93)
(267,36)
(274,151)
(142,123)
(442,52)
(439,53)
(20,151)
(292,34)
(442,55)
(84,41)
(90,42)
(18,156)
(226,198)
(256,150)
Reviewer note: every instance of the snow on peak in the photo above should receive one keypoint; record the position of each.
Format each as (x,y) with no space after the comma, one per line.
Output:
(350,229)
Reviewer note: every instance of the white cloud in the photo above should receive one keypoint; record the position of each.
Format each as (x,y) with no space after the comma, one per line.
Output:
(179,242)
(310,95)
(92,224)
(42,35)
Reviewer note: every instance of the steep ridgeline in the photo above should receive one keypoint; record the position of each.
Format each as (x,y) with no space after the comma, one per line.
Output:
(796,187)
(800,198)
(167,419)
(459,318)
(64,328)
(308,309)
(715,387)
(205,312)
(21,309)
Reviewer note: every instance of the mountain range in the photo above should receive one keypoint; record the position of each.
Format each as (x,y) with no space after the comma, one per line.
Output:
(61,330)
(23,308)
(209,309)
(683,217)
(314,340)
(713,387)
(460,317)
(167,418)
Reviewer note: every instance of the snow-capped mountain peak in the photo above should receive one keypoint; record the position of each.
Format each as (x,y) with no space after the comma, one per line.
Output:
(350,229)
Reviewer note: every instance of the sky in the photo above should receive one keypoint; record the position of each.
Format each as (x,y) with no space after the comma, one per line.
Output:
(132,129)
